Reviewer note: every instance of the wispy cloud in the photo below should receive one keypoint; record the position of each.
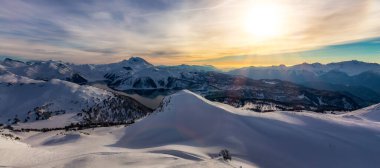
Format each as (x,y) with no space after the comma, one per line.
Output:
(161,30)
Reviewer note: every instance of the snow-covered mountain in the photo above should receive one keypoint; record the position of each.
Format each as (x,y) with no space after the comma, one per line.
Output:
(240,91)
(353,77)
(348,67)
(46,70)
(353,67)
(94,72)
(134,73)
(10,78)
(156,77)
(39,70)
(291,139)
(234,90)
(190,131)
(62,103)
(137,74)
(305,71)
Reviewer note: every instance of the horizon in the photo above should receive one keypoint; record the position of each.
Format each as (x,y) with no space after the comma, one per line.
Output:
(223,34)
(221,69)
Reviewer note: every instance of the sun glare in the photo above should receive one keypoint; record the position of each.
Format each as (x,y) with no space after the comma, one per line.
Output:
(264,21)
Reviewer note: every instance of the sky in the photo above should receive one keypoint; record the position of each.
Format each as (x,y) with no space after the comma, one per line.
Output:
(223,33)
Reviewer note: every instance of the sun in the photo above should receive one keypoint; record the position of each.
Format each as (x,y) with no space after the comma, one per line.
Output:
(264,21)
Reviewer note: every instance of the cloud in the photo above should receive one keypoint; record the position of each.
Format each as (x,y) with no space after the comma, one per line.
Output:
(342,21)
(102,16)
(173,32)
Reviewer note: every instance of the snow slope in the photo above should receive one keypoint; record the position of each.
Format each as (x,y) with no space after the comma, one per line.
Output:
(41,70)
(371,113)
(189,131)
(60,103)
(10,78)
(267,140)
(72,149)
(56,95)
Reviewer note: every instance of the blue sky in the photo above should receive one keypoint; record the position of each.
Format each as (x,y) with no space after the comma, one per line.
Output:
(223,33)
(366,50)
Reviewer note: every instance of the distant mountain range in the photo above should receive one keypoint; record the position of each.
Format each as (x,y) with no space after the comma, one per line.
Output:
(136,74)
(351,77)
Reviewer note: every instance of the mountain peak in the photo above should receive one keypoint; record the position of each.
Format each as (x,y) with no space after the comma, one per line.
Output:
(352,62)
(137,60)
(12,60)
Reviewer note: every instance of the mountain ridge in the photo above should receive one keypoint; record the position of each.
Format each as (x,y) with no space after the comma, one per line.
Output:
(348,76)
(138,74)
(63,103)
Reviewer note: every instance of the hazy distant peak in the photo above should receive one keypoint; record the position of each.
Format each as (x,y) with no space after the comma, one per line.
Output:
(12,62)
(345,62)
(137,60)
